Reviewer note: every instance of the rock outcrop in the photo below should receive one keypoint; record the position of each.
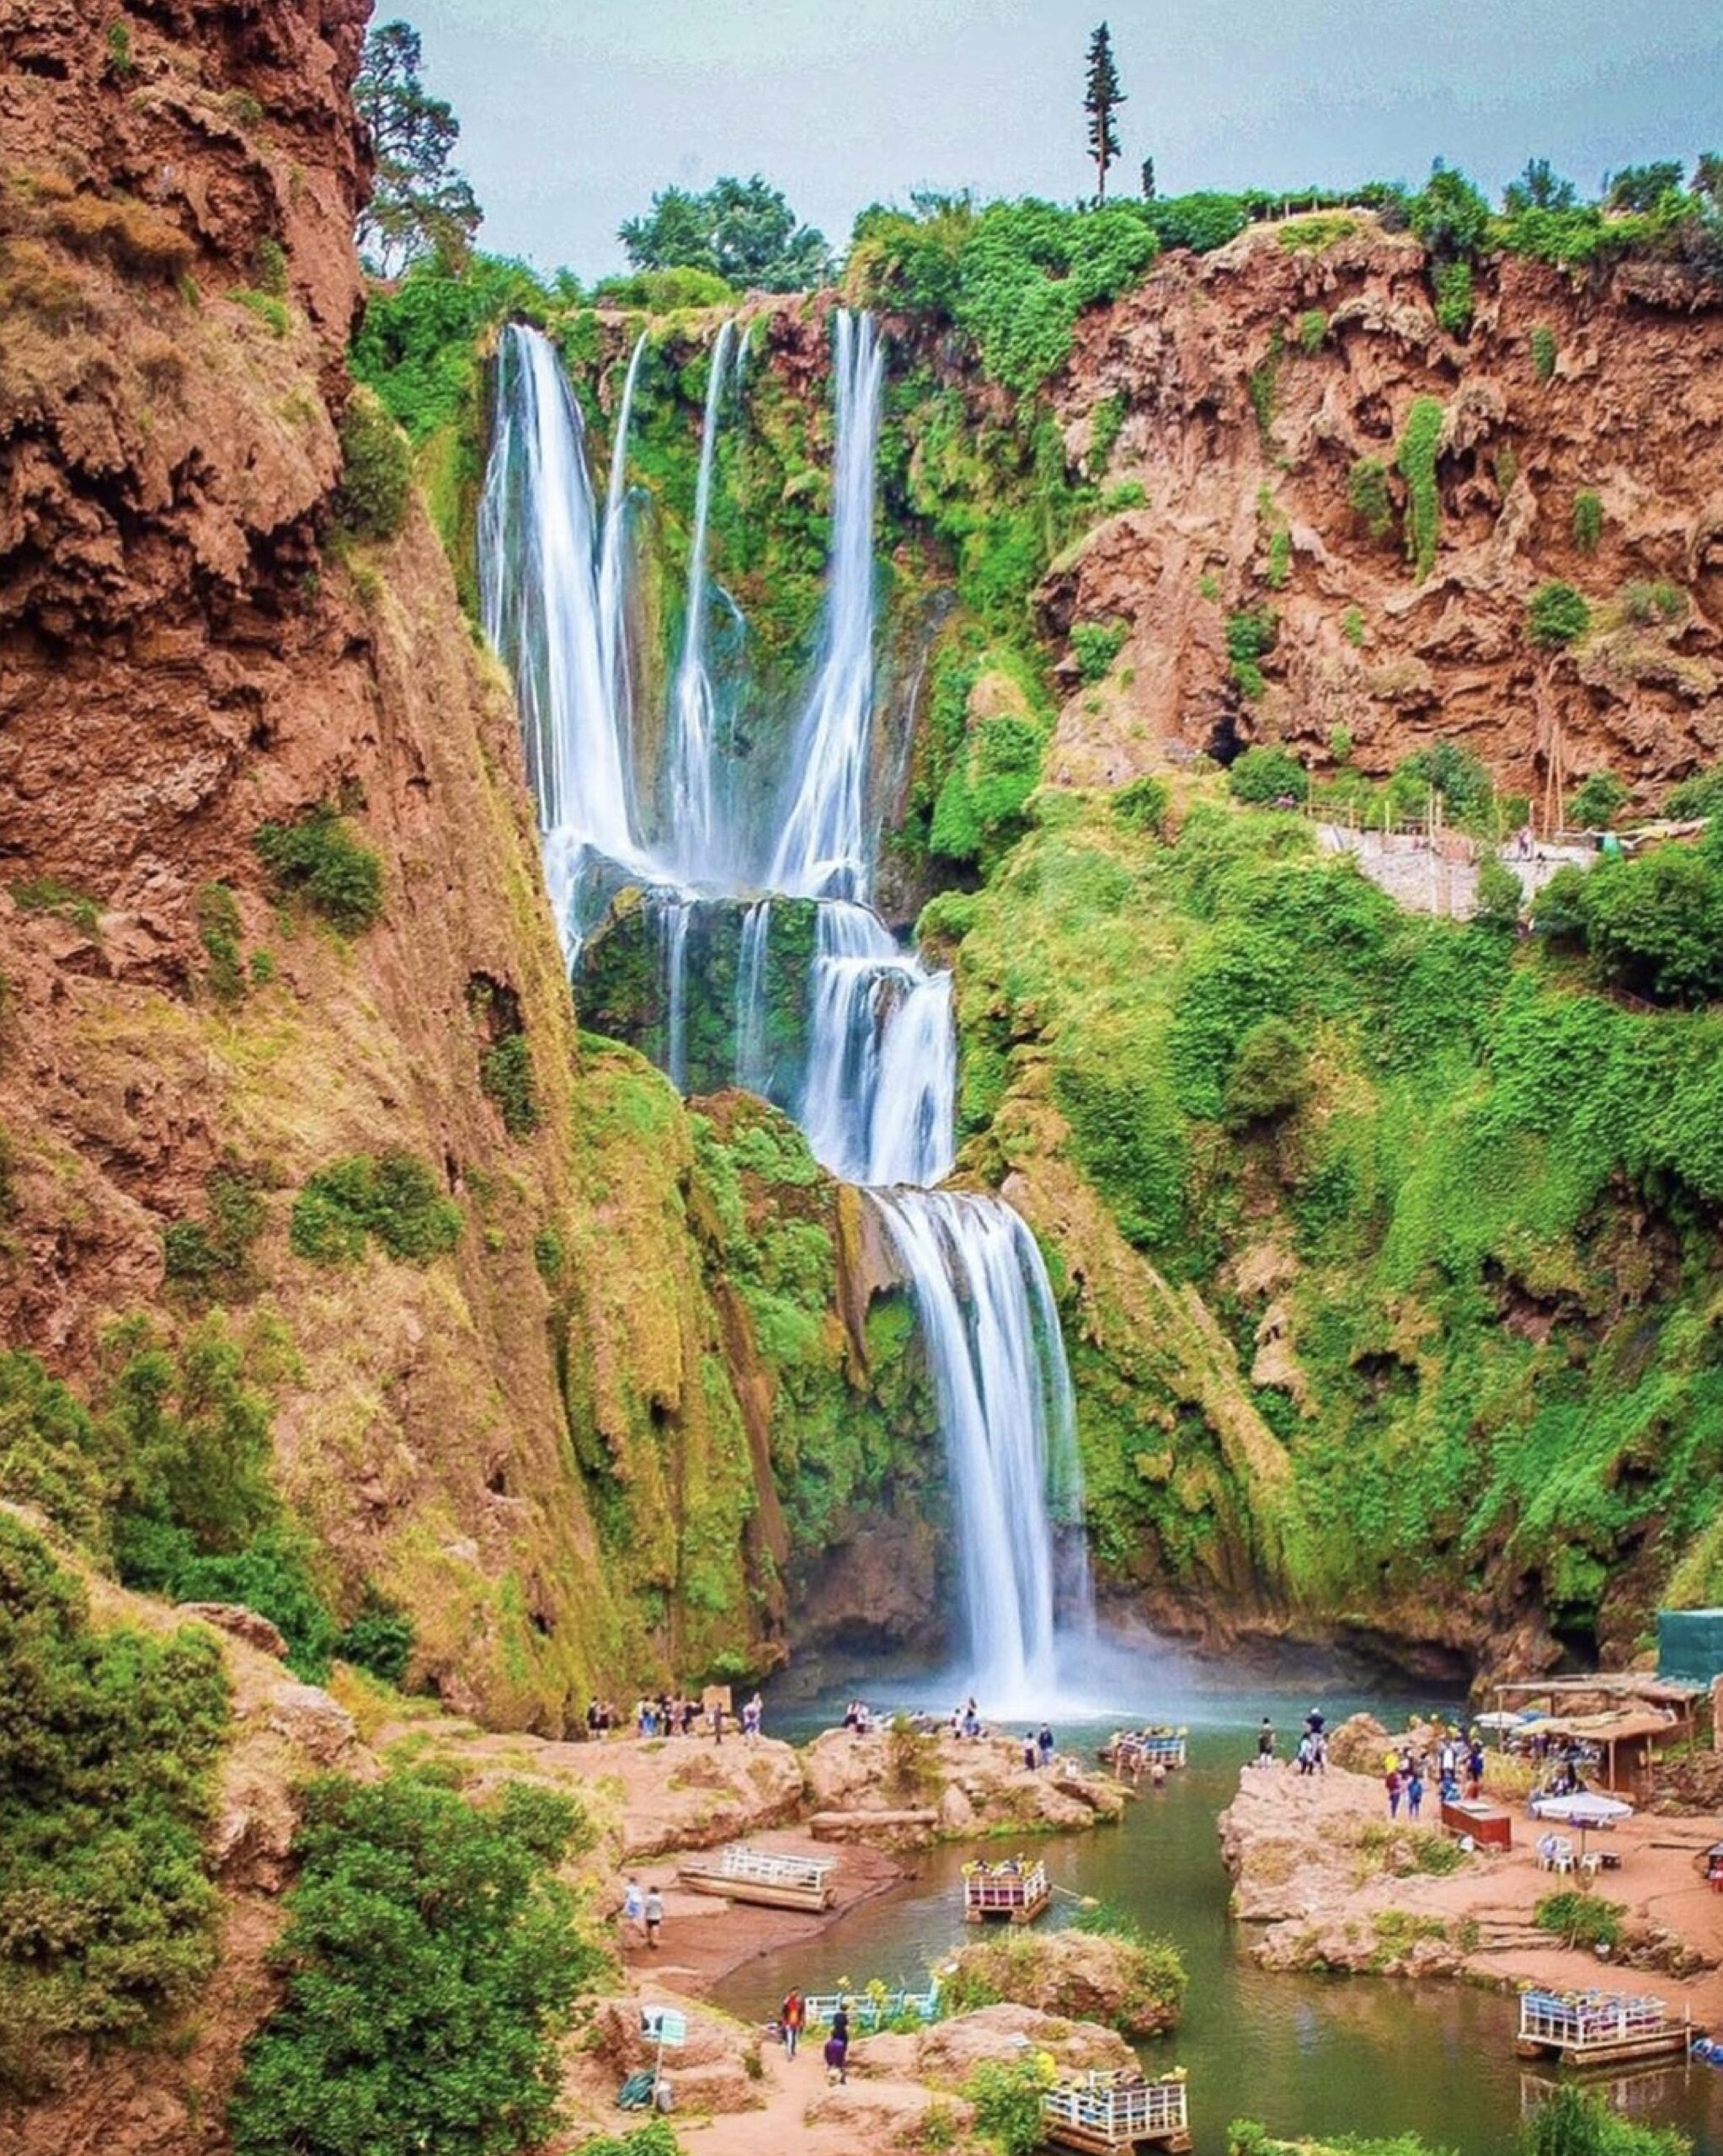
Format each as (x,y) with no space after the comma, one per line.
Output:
(900,1788)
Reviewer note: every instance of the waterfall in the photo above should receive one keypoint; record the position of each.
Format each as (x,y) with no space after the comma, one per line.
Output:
(612,562)
(694,702)
(541,604)
(822,847)
(876,1097)
(879,1101)
(752,1067)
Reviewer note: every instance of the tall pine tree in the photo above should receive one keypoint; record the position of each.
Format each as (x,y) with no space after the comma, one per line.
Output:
(419,201)
(1102,100)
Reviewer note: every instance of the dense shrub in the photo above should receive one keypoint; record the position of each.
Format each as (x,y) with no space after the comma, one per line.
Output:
(1501,895)
(380,1638)
(1006,2099)
(1419,447)
(1588,520)
(1367,497)
(1141,804)
(217,914)
(1458,775)
(1557,615)
(430,1956)
(395,1198)
(108,1744)
(417,344)
(211,1259)
(1544,352)
(376,468)
(319,859)
(1453,298)
(505,1075)
(1449,215)
(663,291)
(1701,795)
(1655,925)
(1267,774)
(1580,1919)
(1598,802)
(1095,645)
(1270,1077)
(1251,634)
(1576,2121)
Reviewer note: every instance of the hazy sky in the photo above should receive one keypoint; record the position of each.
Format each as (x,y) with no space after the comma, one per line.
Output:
(573,112)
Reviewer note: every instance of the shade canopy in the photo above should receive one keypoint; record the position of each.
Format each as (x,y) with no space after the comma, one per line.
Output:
(1586,1808)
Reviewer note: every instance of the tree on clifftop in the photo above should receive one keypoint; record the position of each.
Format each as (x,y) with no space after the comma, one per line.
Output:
(421,203)
(1102,99)
(742,230)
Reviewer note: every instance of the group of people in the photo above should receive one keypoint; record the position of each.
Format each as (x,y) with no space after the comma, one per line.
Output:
(644,1910)
(678,1715)
(859,1718)
(1038,1749)
(1458,1767)
(792,2019)
(1311,1757)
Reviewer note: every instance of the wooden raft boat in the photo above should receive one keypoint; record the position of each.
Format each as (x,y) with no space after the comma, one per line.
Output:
(1598,2028)
(1115,2114)
(1131,1750)
(741,1874)
(1017,1891)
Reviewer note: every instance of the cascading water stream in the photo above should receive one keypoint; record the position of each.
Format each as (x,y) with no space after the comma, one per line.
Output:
(821,848)
(877,1094)
(539,577)
(694,700)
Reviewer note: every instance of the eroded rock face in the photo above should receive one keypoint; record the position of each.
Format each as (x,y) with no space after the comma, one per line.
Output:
(1075,1975)
(1631,413)
(966,1785)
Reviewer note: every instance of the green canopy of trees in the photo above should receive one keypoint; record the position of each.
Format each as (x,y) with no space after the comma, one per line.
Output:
(741,230)
(420,203)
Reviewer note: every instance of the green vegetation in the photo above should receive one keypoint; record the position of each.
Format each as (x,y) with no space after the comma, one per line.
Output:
(1599,801)
(505,1076)
(1129,493)
(1580,1919)
(1268,774)
(376,472)
(990,720)
(431,1957)
(1102,96)
(1312,331)
(1251,634)
(1575,2122)
(109,1748)
(1007,2102)
(1367,497)
(419,204)
(1501,895)
(1095,645)
(319,859)
(218,931)
(1141,804)
(1544,352)
(1587,522)
(1557,615)
(395,1198)
(210,1259)
(1653,925)
(48,895)
(1453,298)
(1415,457)
(742,232)
(1015,275)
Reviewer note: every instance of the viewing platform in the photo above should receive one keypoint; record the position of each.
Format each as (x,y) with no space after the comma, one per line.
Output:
(1113,2114)
(1132,1750)
(742,1874)
(1015,1891)
(1598,2028)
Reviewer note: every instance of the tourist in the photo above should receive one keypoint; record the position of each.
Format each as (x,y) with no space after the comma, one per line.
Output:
(592,1719)
(690,1714)
(1032,1751)
(972,1721)
(717,1722)
(837,2046)
(634,1907)
(1475,1771)
(652,1915)
(1392,1781)
(1045,1742)
(790,2016)
(751,1715)
(1265,1743)
(1414,1794)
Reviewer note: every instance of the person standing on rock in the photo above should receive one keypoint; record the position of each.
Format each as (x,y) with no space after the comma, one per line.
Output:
(1414,1794)
(1032,1751)
(751,1715)
(653,1913)
(1265,1743)
(717,1722)
(633,1907)
(1391,1779)
(1045,1743)
(792,2016)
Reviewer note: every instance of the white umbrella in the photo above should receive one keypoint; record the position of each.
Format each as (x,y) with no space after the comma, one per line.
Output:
(1584,1808)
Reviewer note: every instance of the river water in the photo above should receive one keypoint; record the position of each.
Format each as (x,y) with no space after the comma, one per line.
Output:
(1304,2055)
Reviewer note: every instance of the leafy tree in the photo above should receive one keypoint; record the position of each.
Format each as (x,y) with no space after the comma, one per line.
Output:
(109,1742)
(1501,895)
(1450,216)
(1270,1077)
(420,203)
(741,230)
(1102,99)
(1599,801)
(1267,774)
(1539,187)
(430,1955)
(1657,924)
(1148,179)
(1642,188)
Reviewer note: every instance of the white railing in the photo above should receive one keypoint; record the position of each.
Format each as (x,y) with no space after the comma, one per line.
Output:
(1576,2020)
(1099,2103)
(766,1867)
(987,1889)
(867,2009)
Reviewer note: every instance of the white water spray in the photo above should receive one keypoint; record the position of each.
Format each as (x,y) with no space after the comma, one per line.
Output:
(694,700)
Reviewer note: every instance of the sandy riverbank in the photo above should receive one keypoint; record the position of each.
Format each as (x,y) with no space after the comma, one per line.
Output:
(1325,1879)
